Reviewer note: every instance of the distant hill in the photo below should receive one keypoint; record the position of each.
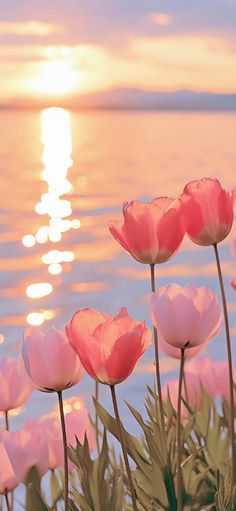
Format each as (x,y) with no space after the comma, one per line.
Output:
(140,99)
(137,99)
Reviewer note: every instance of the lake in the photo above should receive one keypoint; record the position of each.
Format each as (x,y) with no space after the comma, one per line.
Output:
(64,175)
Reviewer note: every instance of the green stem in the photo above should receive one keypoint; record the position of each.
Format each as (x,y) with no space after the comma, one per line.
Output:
(230,363)
(124,448)
(157,364)
(7,426)
(179,440)
(96,415)
(185,388)
(66,471)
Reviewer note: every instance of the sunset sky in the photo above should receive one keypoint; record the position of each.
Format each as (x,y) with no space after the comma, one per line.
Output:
(69,47)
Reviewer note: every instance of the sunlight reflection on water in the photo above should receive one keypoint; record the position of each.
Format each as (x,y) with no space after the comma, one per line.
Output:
(65,241)
(56,157)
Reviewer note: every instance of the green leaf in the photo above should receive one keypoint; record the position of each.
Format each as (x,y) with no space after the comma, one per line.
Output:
(35,501)
(134,447)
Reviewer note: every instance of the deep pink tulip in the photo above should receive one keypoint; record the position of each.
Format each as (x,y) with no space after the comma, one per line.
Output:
(108,347)
(14,389)
(208,211)
(8,479)
(233,284)
(26,449)
(49,360)
(151,232)
(185,316)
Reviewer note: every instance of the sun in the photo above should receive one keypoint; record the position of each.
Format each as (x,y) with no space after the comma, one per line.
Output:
(58,77)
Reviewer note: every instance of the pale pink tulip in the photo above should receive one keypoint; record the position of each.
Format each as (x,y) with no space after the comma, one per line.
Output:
(50,427)
(8,479)
(78,423)
(185,316)
(205,369)
(173,352)
(193,396)
(208,211)
(49,361)
(151,232)
(14,389)
(26,449)
(222,380)
(108,347)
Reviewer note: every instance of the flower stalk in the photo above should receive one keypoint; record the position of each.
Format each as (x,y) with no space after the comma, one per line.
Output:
(157,362)
(66,471)
(230,364)
(124,448)
(178,436)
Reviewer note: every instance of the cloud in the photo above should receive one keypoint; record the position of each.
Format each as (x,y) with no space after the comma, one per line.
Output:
(160,18)
(30,28)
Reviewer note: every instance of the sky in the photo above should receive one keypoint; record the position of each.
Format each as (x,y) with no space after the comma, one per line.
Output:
(65,48)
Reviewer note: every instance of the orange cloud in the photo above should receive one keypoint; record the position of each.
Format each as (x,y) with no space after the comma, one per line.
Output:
(160,18)
(31,27)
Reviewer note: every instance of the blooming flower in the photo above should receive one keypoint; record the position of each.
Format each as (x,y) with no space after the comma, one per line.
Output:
(77,423)
(173,352)
(208,211)
(14,389)
(8,479)
(151,232)
(108,347)
(185,316)
(26,449)
(49,360)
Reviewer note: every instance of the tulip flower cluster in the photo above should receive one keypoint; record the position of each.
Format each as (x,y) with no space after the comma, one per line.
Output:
(185,320)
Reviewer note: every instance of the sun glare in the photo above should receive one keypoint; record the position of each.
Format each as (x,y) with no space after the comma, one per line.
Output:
(57,76)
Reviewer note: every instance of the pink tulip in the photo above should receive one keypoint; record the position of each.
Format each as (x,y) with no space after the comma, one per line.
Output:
(50,427)
(173,352)
(8,479)
(151,232)
(193,396)
(78,423)
(205,369)
(222,380)
(49,360)
(26,449)
(108,347)
(208,211)
(233,284)
(14,389)
(185,316)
